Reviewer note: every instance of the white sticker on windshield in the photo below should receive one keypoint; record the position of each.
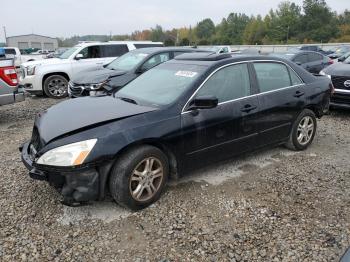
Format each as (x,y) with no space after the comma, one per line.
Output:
(186,73)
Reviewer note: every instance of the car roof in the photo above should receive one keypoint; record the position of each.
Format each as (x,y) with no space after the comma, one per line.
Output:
(90,43)
(213,59)
(152,50)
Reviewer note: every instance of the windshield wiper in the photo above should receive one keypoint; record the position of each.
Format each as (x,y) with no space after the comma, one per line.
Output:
(126,99)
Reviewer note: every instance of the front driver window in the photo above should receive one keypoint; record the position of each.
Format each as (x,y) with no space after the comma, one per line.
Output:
(229,83)
(155,60)
(91,52)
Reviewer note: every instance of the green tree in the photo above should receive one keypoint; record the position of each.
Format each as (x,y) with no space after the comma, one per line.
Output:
(205,29)
(255,31)
(319,23)
(157,34)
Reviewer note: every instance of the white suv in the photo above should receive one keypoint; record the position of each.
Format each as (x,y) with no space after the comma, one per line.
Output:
(51,76)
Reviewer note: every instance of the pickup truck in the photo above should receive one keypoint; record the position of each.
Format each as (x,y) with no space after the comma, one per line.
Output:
(9,91)
(13,52)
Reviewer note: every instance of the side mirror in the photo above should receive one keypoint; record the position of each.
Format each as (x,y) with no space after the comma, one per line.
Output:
(341,59)
(79,56)
(140,70)
(298,63)
(204,102)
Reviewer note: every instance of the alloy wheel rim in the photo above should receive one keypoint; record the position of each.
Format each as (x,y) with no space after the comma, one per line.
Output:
(146,179)
(57,87)
(305,131)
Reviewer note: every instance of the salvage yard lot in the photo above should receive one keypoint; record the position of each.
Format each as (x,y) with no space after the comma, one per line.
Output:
(272,205)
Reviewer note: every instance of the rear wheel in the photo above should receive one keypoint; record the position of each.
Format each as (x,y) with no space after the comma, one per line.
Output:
(303,131)
(56,86)
(139,177)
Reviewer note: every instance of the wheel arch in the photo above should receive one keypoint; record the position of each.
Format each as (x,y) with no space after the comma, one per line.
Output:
(316,109)
(65,75)
(161,145)
(173,167)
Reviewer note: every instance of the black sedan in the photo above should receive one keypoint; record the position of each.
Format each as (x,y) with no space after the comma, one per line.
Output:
(311,61)
(123,70)
(340,75)
(193,110)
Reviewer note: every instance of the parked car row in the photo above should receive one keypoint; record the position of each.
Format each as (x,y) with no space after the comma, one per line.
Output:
(196,108)
(51,76)
(123,70)
(313,62)
(14,52)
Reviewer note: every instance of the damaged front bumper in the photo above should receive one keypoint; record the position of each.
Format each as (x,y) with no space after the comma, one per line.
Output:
(76,185)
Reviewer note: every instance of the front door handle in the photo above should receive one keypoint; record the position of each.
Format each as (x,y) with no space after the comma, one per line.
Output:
(298,94)
(247,108)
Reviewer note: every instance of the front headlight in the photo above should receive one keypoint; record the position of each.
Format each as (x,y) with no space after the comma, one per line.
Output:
(324,74)
(96,87)
(30,70)
(68,155)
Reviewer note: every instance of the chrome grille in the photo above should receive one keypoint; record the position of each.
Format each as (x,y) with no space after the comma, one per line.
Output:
(339,82)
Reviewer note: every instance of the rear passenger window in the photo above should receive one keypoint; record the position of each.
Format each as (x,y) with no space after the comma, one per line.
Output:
(272,76)
(294,78)
(229,83)
(114,50)
(10,51)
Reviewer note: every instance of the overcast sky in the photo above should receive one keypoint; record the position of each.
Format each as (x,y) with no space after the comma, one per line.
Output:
(64,18)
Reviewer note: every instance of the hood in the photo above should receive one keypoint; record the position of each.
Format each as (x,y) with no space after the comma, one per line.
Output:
(79,113)
(52,61)
(96,76)
(338,69)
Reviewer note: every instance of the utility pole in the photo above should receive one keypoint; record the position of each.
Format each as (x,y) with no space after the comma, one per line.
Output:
(5,34)
(287,33)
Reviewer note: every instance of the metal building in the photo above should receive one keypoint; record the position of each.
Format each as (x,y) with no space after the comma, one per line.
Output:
(33,41)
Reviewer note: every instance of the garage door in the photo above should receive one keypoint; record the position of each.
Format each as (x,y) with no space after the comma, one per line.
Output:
(23,45)
(36,45)
(49,46)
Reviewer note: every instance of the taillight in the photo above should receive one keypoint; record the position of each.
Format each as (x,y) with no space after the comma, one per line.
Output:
(330,61)
(9,75)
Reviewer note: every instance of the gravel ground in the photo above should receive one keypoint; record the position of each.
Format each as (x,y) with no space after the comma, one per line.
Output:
(274,205)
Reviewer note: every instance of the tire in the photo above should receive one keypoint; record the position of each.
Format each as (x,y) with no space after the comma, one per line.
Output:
(130,173)
(302,133)
(56,86)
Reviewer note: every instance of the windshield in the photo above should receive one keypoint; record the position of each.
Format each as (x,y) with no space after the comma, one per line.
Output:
(127,62)
(68,53)
(161,85)
(347,61)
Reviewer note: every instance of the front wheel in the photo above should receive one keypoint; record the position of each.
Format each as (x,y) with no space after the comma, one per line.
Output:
(139,177)
(56,86)
(303,131)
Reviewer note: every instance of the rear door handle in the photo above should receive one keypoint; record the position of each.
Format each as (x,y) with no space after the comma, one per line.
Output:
(298,94)
(247,108)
